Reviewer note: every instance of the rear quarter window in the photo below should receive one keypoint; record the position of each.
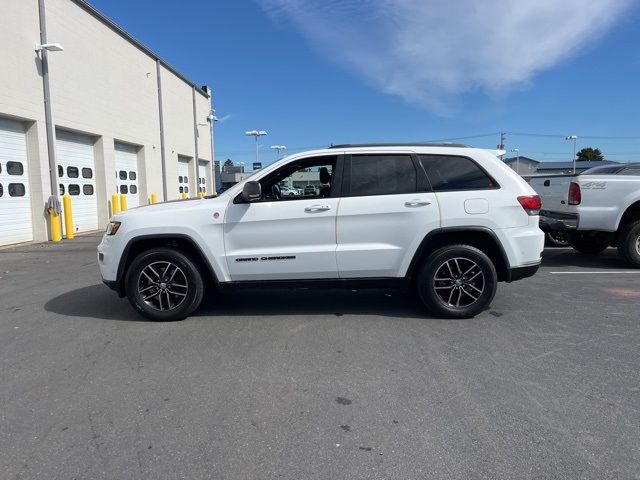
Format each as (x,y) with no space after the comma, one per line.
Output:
(451,172)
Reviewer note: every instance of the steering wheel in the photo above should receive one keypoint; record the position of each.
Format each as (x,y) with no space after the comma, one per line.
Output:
(275,192)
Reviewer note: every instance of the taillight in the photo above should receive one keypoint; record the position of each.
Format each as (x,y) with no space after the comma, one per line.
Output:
(575,196)
(531,204)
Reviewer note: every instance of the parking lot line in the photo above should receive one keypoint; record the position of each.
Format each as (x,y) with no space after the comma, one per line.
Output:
(596,272)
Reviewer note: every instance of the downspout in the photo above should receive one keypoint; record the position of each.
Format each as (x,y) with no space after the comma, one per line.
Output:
(162,147)
(51,137)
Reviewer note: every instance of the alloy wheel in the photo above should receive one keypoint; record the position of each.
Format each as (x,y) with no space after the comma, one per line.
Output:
(162,285)
(459,282)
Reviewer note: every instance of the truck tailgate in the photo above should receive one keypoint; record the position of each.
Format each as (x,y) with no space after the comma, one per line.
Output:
(553,191)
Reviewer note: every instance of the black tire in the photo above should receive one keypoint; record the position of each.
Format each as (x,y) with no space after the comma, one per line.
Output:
(557,239)
(629,243)
(455,295)
(173,301)
(588,242)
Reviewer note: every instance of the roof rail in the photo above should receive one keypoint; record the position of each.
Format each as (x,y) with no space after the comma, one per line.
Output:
(409,144)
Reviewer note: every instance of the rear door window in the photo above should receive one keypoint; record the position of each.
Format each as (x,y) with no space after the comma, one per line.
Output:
(450,172)
(382,175)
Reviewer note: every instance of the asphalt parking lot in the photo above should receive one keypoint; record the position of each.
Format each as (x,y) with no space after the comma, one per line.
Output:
(304,384)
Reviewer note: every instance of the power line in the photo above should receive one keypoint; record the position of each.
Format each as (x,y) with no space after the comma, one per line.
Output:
(590,137)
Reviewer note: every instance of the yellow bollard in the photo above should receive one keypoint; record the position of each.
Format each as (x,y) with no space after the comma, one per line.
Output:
(184,196)
(154,198)
(123,202)
(56,226)
(201,194)
(115,204)
(68,216)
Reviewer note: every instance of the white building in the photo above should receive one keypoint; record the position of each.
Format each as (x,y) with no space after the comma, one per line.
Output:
(104,115)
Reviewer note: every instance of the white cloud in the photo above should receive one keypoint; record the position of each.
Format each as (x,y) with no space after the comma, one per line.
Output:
(431,51)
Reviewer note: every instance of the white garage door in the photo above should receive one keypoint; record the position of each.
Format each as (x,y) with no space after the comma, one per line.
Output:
(15,203)
(126,157)
(202,176)
(183,176)
(76,172)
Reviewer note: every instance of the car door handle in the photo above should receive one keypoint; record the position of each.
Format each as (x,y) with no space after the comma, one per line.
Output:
(417,203)
(317,208)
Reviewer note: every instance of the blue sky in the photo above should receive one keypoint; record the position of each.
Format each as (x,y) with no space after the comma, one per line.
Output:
(315,72)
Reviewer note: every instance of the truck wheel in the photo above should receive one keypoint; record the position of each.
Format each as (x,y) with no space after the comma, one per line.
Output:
(557,239)
(629,243)
(164,285)
(588,242)
(457,281)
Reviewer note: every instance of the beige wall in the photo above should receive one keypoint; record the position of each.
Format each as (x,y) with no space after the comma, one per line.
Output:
(21,95)
(101,85)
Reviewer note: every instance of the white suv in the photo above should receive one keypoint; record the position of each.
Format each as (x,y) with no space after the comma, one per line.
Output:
(448,219)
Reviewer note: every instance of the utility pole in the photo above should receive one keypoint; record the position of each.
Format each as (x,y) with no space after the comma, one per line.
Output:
(503,137)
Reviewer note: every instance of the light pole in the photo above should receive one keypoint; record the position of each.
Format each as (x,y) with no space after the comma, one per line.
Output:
(211,119)
(517,150)
(257,134)
(277,148)
(574,138)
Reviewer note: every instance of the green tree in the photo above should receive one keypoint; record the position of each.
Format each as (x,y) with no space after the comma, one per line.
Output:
(228,163)
(589,155)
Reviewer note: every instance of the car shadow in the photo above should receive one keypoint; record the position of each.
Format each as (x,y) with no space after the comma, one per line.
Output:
(568,257)
(97,301)
(94,301)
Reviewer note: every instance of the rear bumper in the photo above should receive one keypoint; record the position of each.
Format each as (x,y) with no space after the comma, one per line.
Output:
(556,221)
(518,273)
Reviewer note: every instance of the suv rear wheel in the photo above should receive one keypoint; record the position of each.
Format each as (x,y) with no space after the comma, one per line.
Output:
(629,243)
(164,285)
(457,281)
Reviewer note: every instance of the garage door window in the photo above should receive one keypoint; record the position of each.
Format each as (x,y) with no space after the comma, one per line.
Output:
(16,190)
(180,179)
(87,173)
(72,172)
(15,168)
(133,189)
(87,189)
(124,189)
(181,190)
(1,190)
(62,189)
(60,171)
(74,189)
(132,175)
(123,175)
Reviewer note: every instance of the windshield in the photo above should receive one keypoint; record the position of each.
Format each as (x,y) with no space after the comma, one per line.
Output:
(601,171)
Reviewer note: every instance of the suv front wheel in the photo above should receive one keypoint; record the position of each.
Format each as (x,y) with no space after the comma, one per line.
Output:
(457,281)
(164,285)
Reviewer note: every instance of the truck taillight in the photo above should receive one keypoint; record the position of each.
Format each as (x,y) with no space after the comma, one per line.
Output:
(575,196)
(531,204)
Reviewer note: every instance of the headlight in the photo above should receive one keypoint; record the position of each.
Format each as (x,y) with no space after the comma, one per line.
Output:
(112,228)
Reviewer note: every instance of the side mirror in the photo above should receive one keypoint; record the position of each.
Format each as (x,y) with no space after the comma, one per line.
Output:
(251,191)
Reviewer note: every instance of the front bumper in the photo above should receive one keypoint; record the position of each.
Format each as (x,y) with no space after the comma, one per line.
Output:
(556,221)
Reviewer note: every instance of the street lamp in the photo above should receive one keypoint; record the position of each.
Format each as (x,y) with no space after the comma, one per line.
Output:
(211,119)
(277,148)
(257,134)
(517,150)
(574,138)
(49,47)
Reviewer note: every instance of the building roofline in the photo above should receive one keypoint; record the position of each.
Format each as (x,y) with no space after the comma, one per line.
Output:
(131,39)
